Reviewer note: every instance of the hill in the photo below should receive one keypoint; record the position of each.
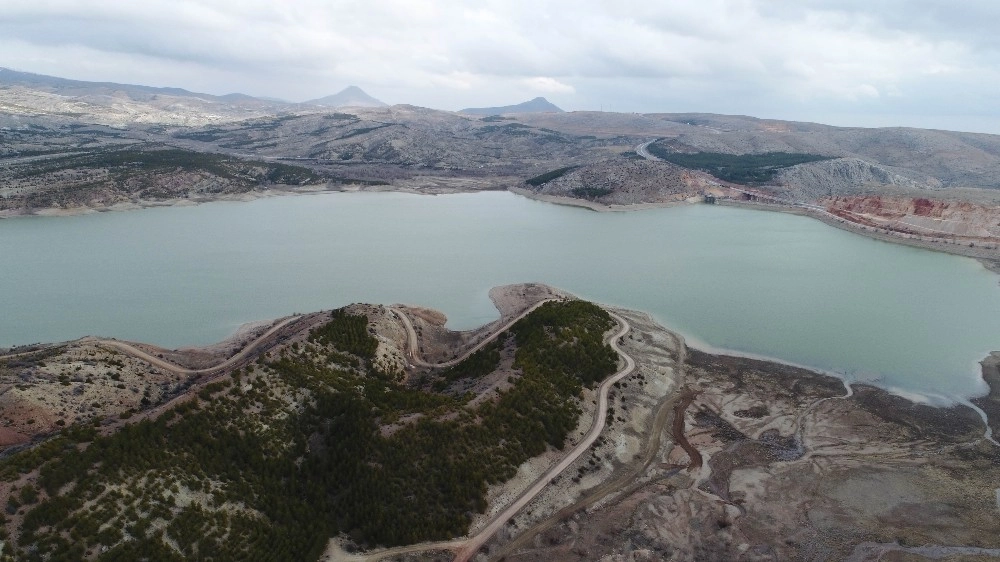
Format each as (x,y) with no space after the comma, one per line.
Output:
(351,96)
(319,436)
(537,105)
(331,432)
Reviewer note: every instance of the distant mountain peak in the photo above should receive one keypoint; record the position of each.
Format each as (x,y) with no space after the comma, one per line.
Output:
(351,96)
(537,105)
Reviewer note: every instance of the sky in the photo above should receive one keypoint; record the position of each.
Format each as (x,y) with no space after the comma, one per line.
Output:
(921,63)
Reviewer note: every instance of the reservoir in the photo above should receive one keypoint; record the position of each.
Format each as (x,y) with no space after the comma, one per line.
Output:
(766,284)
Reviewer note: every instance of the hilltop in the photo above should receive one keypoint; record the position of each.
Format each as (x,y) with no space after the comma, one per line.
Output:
(537,105)
(351,96)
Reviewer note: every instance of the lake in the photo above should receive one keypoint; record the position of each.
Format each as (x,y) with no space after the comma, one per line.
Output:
(760,283)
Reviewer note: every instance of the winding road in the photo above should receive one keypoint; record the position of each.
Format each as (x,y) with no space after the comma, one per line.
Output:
(643,150)
(465,549)
(413,347)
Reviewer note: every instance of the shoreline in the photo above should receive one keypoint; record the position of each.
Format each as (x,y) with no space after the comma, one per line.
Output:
(595,206)
(990,259)
(988,403)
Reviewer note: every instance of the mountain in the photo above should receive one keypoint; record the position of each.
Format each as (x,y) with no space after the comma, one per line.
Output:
(67,87)
(351,96)
(537,105)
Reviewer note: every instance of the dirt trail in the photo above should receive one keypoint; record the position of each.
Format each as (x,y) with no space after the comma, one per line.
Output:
(22,354)
(158,362)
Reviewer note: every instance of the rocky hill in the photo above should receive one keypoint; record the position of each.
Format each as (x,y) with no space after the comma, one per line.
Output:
(624,180)
(351,96)
(537,105)
(841,175)
(400,135)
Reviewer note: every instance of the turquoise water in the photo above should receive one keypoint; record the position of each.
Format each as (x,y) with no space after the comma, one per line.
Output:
(759,283)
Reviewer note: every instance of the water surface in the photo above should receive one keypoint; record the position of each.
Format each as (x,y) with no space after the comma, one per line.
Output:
(767,284)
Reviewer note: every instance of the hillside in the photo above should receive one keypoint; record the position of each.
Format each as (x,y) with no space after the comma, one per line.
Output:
(125,173)
(319,436)
(121,105)
(623,181)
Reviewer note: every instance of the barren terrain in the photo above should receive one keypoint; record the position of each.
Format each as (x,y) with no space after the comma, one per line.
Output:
(782,464)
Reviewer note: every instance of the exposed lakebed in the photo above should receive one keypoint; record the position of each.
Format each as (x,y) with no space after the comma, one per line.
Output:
(766,284)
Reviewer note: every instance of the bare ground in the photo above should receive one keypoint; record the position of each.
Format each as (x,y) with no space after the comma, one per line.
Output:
(795,467)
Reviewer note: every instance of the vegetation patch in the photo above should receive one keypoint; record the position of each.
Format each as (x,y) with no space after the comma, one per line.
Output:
(363,130)
(477,365)
(746,169)
(130,162)
(270,462)
(549,176)
(205,135)
(110,175)
(591,192)
(337,116)
(510,129)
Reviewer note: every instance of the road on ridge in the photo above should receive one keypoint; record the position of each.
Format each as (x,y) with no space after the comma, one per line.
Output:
(413,347)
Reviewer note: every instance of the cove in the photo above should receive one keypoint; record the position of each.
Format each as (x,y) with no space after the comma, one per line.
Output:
(759,283)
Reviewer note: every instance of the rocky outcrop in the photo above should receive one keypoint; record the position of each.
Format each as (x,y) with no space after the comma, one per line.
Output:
(842,176)
(920,215)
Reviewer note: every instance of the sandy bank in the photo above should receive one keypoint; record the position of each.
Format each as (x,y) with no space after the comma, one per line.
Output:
(989,257)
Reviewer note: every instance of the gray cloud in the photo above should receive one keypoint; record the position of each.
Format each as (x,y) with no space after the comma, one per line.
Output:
(916,62)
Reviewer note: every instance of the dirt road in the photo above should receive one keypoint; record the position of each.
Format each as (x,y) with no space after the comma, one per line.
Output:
(413,346)
(619,484)
(643,150)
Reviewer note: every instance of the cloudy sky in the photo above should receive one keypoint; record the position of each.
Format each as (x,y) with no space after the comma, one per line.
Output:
(925,63)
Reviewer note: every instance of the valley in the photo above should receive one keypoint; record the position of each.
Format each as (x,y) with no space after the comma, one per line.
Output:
(900,184)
